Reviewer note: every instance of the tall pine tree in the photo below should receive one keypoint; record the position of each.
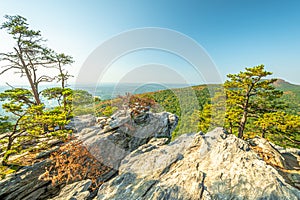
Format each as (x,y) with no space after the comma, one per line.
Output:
(251,94)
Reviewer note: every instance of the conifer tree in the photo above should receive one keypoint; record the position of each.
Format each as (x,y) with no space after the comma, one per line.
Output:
(31,59)
(28,55)
(251,94)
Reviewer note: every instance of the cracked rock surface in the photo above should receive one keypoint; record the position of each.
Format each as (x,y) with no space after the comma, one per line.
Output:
(211,166)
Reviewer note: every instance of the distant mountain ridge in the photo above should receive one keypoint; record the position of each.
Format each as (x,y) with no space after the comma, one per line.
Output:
(291,95)
(281,82)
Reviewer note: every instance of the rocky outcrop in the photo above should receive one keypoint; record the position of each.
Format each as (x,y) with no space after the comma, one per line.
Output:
(80,122)
(285,161)
(109,141)
(113,138)
(267,152)
(75,191)
(26,184)
(195,166)
(146,165)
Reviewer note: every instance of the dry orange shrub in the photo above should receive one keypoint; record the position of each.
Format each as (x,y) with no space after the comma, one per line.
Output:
(73,162)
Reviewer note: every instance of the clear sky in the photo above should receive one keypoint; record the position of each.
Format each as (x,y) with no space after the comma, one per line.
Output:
(234,33)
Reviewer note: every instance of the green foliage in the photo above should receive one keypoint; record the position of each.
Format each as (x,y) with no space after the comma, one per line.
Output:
(248,93)
(109,110)
(63,96)
(5,125)
(73,102)
(15,132)
(281,128)
(54,93)
(106,108)
(253,107)
(182,102)
(62,60)
(213,113)
(28,119)
(33,121)
(82,102)
(268,116)
(291,96)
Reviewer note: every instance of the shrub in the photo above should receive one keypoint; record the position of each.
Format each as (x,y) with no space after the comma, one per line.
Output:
(73,162)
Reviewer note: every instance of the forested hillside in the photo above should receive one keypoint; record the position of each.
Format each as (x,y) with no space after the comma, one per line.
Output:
(291,95)
(180,102)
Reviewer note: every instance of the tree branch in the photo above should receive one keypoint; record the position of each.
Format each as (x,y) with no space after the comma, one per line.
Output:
(5,135)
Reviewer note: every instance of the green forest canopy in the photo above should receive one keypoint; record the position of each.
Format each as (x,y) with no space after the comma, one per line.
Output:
(280,127)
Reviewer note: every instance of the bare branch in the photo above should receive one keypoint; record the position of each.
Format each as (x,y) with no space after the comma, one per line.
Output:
(16,64)
(10,85)
(44,78)
(5,70)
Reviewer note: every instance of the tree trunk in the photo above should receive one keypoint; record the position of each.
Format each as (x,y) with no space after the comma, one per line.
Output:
(28,75)
(64,96)
(242,125)
(8,148)
(34,89)
(263,135)
(230,127)
(244,117)
(27,72)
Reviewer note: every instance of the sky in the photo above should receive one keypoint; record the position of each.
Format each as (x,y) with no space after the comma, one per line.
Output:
(233,34)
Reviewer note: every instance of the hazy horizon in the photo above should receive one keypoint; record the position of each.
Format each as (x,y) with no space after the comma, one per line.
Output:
(134,83)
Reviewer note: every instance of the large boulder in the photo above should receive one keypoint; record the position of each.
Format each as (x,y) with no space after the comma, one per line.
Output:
(121,134)
(195,166)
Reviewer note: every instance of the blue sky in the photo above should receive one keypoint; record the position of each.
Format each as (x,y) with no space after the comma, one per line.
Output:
(234,33)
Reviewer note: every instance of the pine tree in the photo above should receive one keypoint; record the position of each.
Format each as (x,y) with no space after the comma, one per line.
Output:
(251,95)
(19,102)
(280,126)
(28,117)
(29,54)
(213,113)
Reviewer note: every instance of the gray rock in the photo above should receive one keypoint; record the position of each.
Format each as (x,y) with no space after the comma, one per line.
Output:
(160,157)
(287,150)
(145,165)
(75,191)
(83,121)
(211,166)
(25,184)
(99,119)
(123,135)
(286,161)
(54,142)
(270,154)
(47,153)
